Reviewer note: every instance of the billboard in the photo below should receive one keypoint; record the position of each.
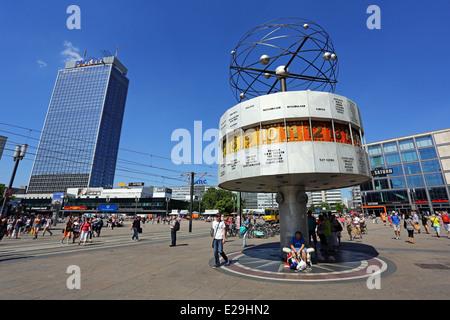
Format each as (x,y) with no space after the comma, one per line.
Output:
(58,198)
(75,208)
(107,207)
(136,184)
(89,191)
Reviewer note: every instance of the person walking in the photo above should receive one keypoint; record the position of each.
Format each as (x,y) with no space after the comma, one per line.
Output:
(246,226)
(425,223)
(18,227)
(436,223)
(174,227)
(135,226)
(76,229)
(349,226)
(219,240)
(48,224)
(409,225)
(383,218)
(357,226)
(67,231)
(85,229)
(446,223)
(36,225)
(395,219)
(27,225)
(415,218)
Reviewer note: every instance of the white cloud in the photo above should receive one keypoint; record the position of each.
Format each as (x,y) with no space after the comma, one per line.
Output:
(71,52)
(41,63)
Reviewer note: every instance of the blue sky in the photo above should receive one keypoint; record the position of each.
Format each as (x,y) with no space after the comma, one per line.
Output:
(178,53)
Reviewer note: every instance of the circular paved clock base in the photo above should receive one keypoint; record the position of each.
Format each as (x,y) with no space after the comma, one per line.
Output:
(353,262)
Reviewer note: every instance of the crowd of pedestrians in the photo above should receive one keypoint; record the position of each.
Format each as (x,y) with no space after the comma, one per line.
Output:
(83,228)
(16,226)
(414,222)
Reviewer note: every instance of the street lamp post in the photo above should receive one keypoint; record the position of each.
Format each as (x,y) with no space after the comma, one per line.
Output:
(412,193)
(19,154)
(136,199)
(364,202)
(167,207)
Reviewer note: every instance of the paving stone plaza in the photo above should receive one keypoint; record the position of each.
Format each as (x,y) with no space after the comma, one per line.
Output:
(113,267)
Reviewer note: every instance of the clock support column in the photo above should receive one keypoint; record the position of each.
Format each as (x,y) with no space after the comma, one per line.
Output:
(292,205)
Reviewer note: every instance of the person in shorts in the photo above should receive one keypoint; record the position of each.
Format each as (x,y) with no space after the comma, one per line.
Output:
(67,231)
(436,223)
(349,226)
(395,219)
(357,226)
(425,223)
(298,247)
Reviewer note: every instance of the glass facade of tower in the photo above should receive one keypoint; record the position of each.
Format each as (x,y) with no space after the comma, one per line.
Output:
(409,173)
(80,138)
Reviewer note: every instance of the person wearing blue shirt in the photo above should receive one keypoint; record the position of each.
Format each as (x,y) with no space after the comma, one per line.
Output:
(396,224)
(298,246)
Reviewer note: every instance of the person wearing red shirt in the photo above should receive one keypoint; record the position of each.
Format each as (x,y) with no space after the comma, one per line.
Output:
(85,229)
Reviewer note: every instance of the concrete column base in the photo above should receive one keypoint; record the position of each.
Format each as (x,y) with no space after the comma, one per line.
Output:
(292,205)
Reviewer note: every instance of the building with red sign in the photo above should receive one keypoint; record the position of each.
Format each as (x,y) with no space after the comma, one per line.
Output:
(409,173)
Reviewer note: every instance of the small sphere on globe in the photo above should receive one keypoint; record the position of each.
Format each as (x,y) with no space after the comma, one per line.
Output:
(265,59)
(282,72)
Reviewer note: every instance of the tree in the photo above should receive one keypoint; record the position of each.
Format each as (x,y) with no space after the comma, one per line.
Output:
(340,207)
(324,205)
(220,199)
(225,205)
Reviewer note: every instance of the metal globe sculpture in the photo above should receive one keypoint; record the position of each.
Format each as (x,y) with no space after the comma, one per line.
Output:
(289,133)
(300,45)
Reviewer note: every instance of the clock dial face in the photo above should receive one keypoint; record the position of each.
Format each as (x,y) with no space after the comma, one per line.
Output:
(279,198)
(302,197)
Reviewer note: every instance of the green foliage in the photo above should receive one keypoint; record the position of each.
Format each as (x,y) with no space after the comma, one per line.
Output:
(340,207)
(324,205)
(223,200)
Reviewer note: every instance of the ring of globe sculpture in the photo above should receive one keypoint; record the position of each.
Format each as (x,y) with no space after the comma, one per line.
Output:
(289,143)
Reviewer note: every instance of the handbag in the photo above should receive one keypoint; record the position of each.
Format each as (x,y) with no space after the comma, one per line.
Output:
(140,230)
(417,227)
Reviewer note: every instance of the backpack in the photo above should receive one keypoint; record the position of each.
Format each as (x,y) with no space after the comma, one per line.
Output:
(445,218)
(177,225)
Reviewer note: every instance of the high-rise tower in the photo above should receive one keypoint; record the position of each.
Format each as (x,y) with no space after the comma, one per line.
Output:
(80,139)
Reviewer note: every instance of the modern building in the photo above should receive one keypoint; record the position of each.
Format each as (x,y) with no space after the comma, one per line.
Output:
(2,144)
(128,200)
(267,201)
(251,200)
(409,173)
(80,139)
(356,197)
(328,196)
(184,192)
